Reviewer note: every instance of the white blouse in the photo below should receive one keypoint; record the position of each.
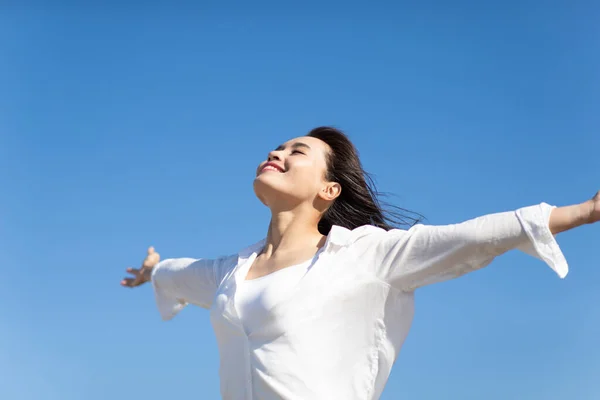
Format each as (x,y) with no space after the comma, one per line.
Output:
(337,333)
(255,298)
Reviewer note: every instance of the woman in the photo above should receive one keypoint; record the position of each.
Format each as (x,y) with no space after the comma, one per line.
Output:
(320,308)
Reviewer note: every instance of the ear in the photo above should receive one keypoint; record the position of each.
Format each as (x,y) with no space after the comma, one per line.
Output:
(330,191)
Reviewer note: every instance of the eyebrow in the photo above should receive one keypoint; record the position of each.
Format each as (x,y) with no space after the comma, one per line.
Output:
(294,146)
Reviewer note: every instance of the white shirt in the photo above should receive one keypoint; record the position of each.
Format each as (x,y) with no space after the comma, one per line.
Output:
(337,333)
(255,298)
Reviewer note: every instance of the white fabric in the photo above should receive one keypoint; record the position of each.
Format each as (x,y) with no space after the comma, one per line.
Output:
(337,333)
(256,297)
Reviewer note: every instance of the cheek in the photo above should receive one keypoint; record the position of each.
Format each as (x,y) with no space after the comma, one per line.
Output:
(307,179)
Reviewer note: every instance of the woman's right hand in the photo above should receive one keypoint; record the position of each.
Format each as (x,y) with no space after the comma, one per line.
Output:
(143,274)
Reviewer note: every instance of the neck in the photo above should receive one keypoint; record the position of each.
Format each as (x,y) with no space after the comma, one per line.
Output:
(293,230)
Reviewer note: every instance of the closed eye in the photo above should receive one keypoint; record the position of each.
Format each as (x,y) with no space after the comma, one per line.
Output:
(297,152)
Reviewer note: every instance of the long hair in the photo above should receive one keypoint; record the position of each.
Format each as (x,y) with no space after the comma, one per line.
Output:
(358,203)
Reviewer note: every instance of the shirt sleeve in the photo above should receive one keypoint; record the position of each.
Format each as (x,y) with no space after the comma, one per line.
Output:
(181,281)
(425,255)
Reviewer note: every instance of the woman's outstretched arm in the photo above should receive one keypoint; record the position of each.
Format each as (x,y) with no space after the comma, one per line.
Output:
(178,282)
(425,254)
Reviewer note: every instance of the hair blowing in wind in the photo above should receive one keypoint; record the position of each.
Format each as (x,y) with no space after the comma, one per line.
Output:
(359,203)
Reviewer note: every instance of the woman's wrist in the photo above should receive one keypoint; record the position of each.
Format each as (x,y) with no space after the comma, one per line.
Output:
(569,217)
(588,211)
(147,274)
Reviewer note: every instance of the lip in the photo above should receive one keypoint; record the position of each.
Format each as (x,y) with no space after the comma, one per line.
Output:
(273,165)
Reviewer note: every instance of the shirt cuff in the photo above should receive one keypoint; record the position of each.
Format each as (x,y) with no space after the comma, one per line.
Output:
(168,305)
(542,244)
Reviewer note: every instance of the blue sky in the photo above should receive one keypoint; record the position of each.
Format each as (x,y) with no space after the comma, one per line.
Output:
(123,127)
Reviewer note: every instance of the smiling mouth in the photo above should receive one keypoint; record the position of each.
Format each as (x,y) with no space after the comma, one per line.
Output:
(271,167)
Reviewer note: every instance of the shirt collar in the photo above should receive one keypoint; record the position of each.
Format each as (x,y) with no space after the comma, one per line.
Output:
(338,236)
(255,248)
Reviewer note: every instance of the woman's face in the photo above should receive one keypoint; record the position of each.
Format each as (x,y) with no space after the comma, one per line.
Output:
(294,173)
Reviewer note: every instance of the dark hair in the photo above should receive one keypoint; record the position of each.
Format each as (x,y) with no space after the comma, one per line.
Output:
(358,203)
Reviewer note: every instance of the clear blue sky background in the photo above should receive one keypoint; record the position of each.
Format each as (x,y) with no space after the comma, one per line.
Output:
(131,125)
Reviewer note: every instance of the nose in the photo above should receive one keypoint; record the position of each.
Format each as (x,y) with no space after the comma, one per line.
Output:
(274,155)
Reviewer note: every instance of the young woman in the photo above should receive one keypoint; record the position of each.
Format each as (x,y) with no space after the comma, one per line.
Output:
(320,308)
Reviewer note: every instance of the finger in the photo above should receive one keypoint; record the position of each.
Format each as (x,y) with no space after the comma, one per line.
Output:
(150,250)
(133,271)
(151,260)
(128,282)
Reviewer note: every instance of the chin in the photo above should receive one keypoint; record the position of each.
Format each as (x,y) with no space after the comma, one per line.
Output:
(264,189)
(271,193)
